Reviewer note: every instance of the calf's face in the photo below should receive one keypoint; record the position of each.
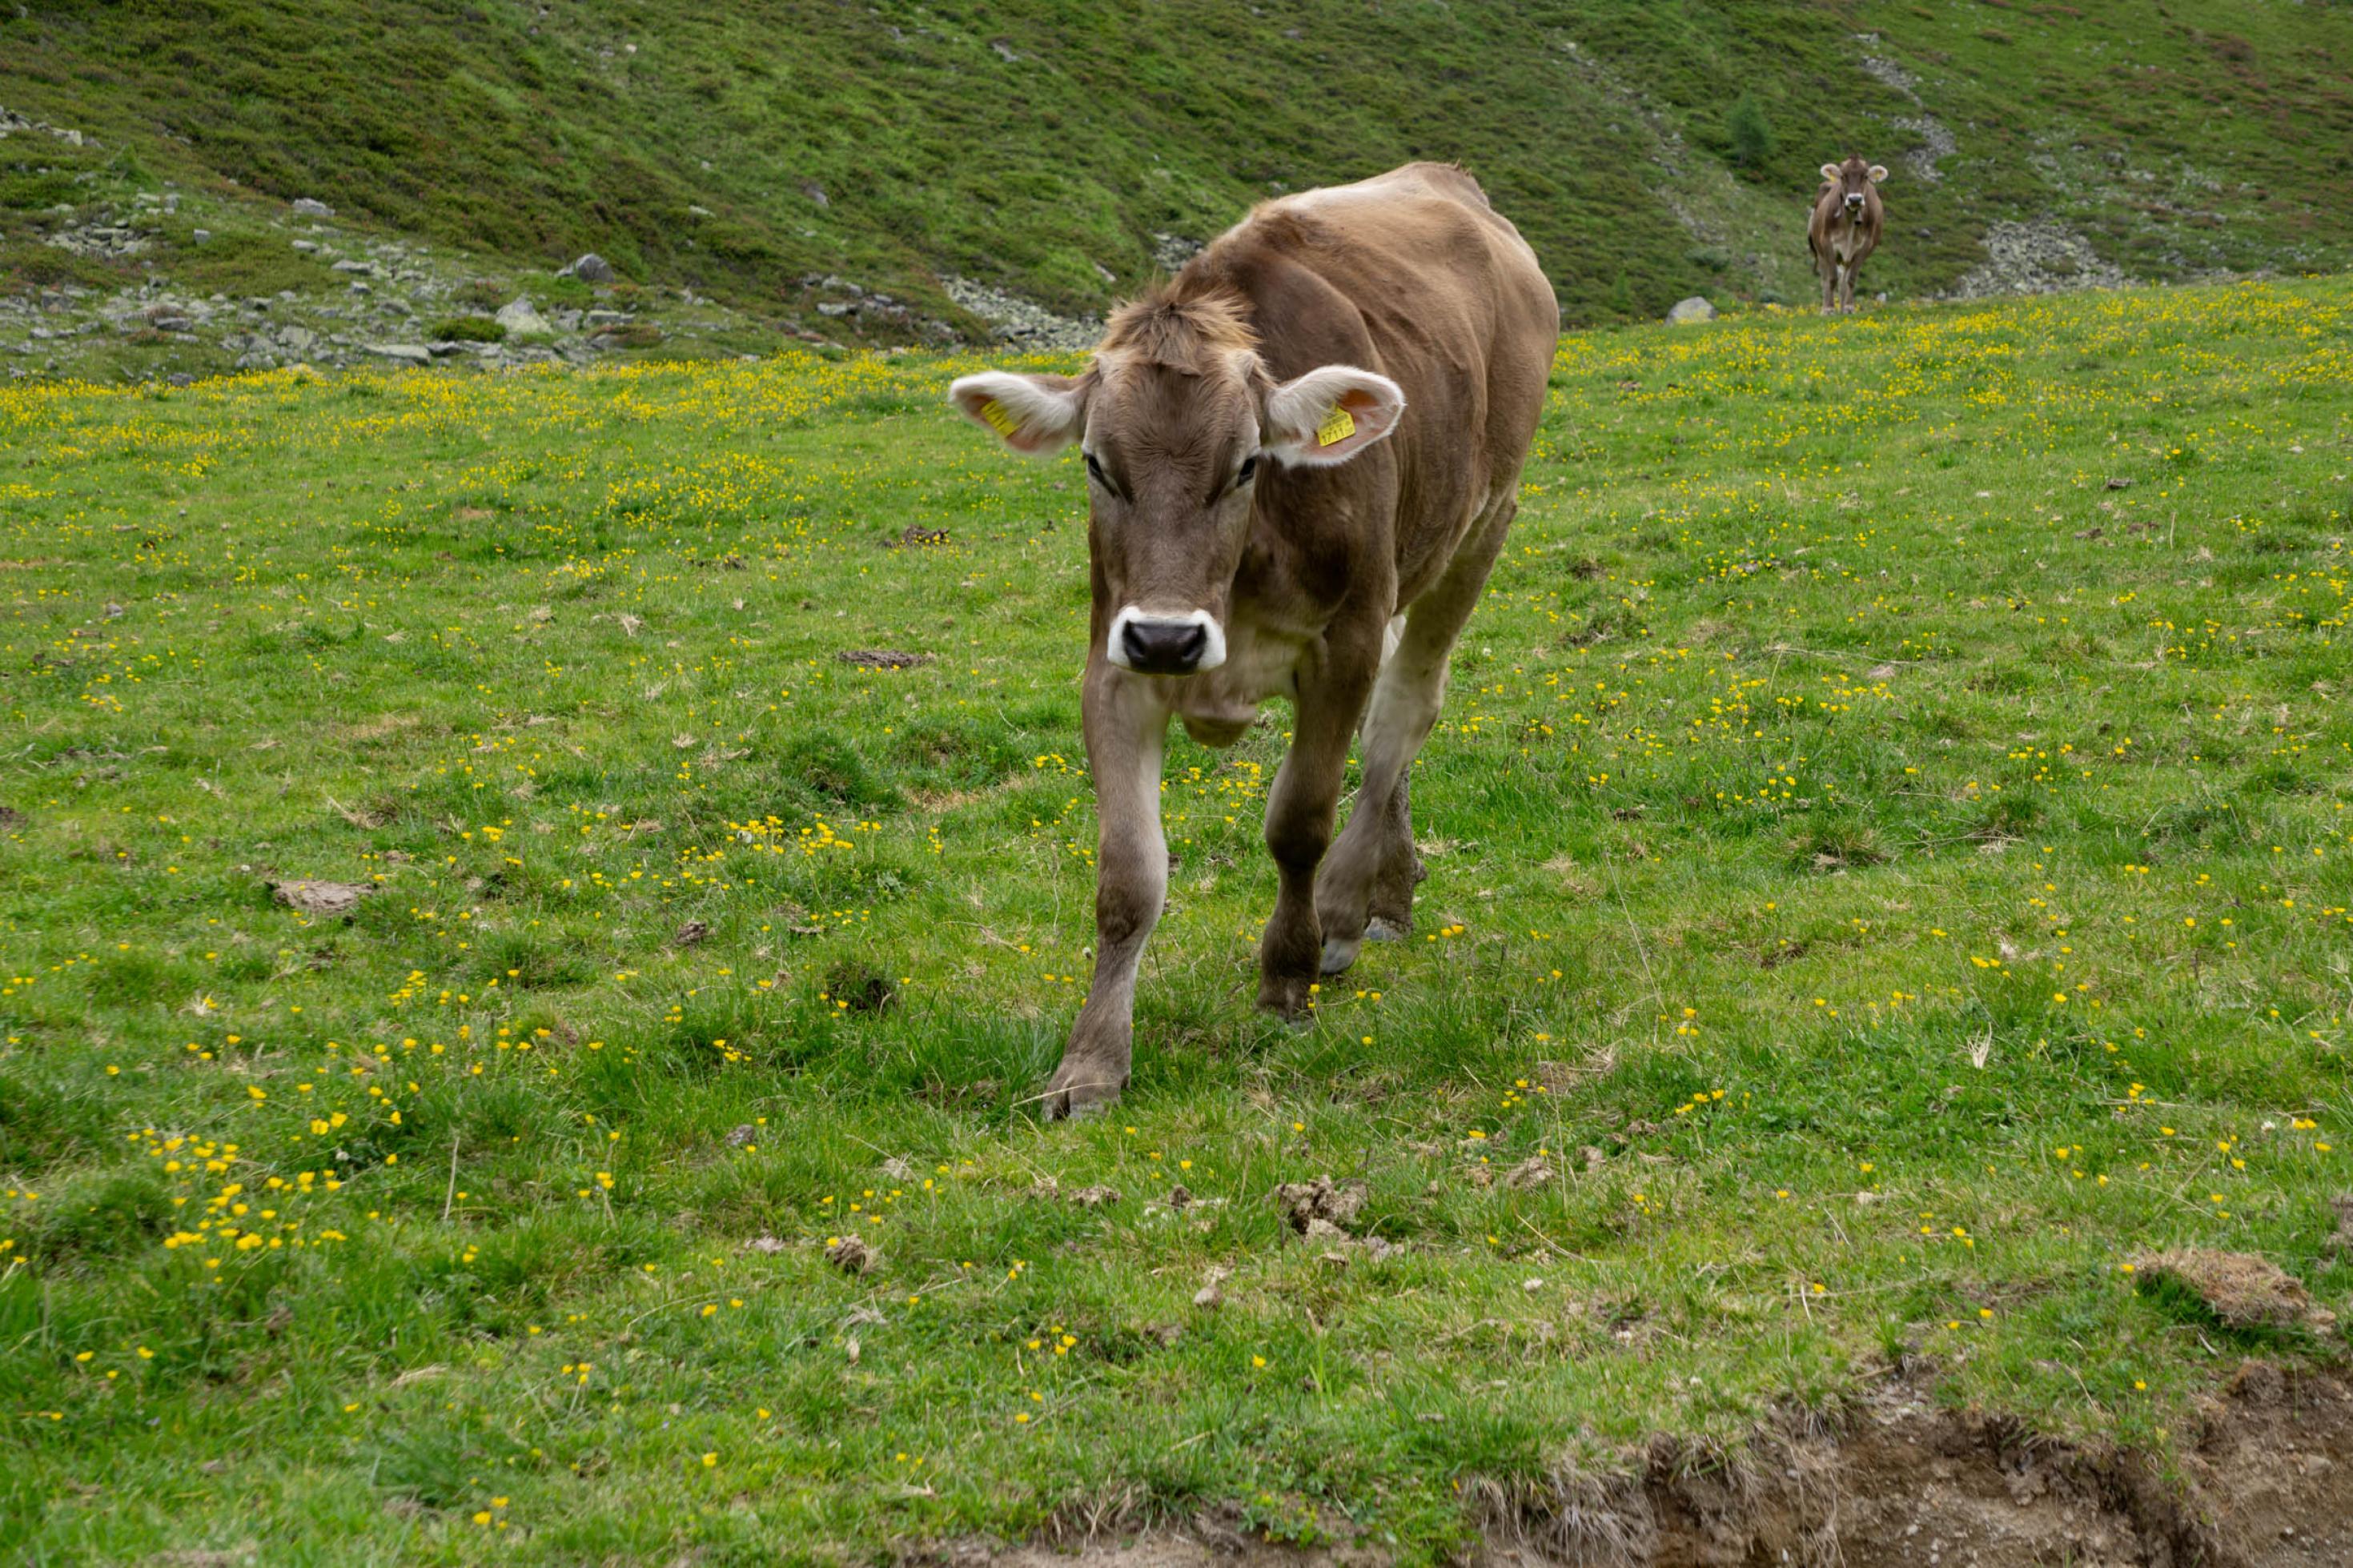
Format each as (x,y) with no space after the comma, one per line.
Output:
(1172,456)
(1852,182)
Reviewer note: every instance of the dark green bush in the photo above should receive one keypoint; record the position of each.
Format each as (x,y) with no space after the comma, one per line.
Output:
(469,330)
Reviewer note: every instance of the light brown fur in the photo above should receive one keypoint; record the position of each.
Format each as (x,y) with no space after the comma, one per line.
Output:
(1844,227)
(1412,276)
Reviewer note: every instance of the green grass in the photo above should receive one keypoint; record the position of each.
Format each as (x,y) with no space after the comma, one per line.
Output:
(2182,137)
(1845,790)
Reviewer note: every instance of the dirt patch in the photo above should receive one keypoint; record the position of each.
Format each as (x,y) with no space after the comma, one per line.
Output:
(2273,1470)
(1890,1480)
(1895,1480)
(2242,1290)
(882,657)
(851,1255)
(312,896)
(1322,1201)
(1182,1550)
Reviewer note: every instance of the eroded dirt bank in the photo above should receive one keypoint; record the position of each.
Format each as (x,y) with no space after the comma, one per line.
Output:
(1890,1480)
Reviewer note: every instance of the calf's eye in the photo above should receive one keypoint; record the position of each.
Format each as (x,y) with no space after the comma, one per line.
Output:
(1246,473)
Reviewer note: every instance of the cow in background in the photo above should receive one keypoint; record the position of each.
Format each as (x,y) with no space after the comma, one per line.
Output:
(1845,228)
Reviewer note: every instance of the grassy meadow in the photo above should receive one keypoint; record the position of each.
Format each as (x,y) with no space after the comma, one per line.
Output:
(1042,145)
(1890,870)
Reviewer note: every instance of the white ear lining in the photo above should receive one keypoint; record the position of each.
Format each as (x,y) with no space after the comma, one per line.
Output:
(1017,406)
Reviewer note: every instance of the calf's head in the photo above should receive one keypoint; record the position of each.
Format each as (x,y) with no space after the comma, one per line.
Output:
(1850,183)
(1176,416)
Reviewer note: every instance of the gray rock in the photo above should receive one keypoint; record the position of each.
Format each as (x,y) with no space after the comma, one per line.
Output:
(1695,309)
(1017,321)
(307,206)
(591,269)
(606,318)
(2041,257)
(520,318)
(201,235)
(1171,252)
(405,354)
(350,264)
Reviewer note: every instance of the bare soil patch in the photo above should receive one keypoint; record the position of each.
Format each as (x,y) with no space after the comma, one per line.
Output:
(1892,1480)
(314,897)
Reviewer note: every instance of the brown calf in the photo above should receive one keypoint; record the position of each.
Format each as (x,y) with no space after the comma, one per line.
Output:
(1302,453)
(1844,228)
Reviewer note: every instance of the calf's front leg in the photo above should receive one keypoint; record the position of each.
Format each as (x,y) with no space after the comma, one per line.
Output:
(1125,721)
(1300,810)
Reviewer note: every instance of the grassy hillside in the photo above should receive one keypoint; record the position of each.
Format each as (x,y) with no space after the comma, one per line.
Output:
(741,148)
(1891,870)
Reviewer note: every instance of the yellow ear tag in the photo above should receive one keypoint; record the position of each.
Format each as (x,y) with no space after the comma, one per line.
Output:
(1001,422)
(1337,428)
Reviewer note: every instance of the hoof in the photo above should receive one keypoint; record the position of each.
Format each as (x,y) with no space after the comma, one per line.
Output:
(1286,999)
(1382,928)
(1339,954)
(1079,1090)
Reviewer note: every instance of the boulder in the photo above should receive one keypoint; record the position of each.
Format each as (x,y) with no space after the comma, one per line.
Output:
(591,269)
(405,354)
(519,318)
(1695,309)
(306,206)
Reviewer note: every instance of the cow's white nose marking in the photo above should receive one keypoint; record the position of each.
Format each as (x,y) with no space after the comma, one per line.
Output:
(1165,622)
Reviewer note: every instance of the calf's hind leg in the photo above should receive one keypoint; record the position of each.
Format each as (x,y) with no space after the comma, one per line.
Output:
(1373,869)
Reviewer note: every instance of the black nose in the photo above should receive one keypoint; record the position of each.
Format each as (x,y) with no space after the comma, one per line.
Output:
(1165,648)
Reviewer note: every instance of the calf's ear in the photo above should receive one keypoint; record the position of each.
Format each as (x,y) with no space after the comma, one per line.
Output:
(1829,171)
(1878,172)
(1329,415)
(1036,415)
